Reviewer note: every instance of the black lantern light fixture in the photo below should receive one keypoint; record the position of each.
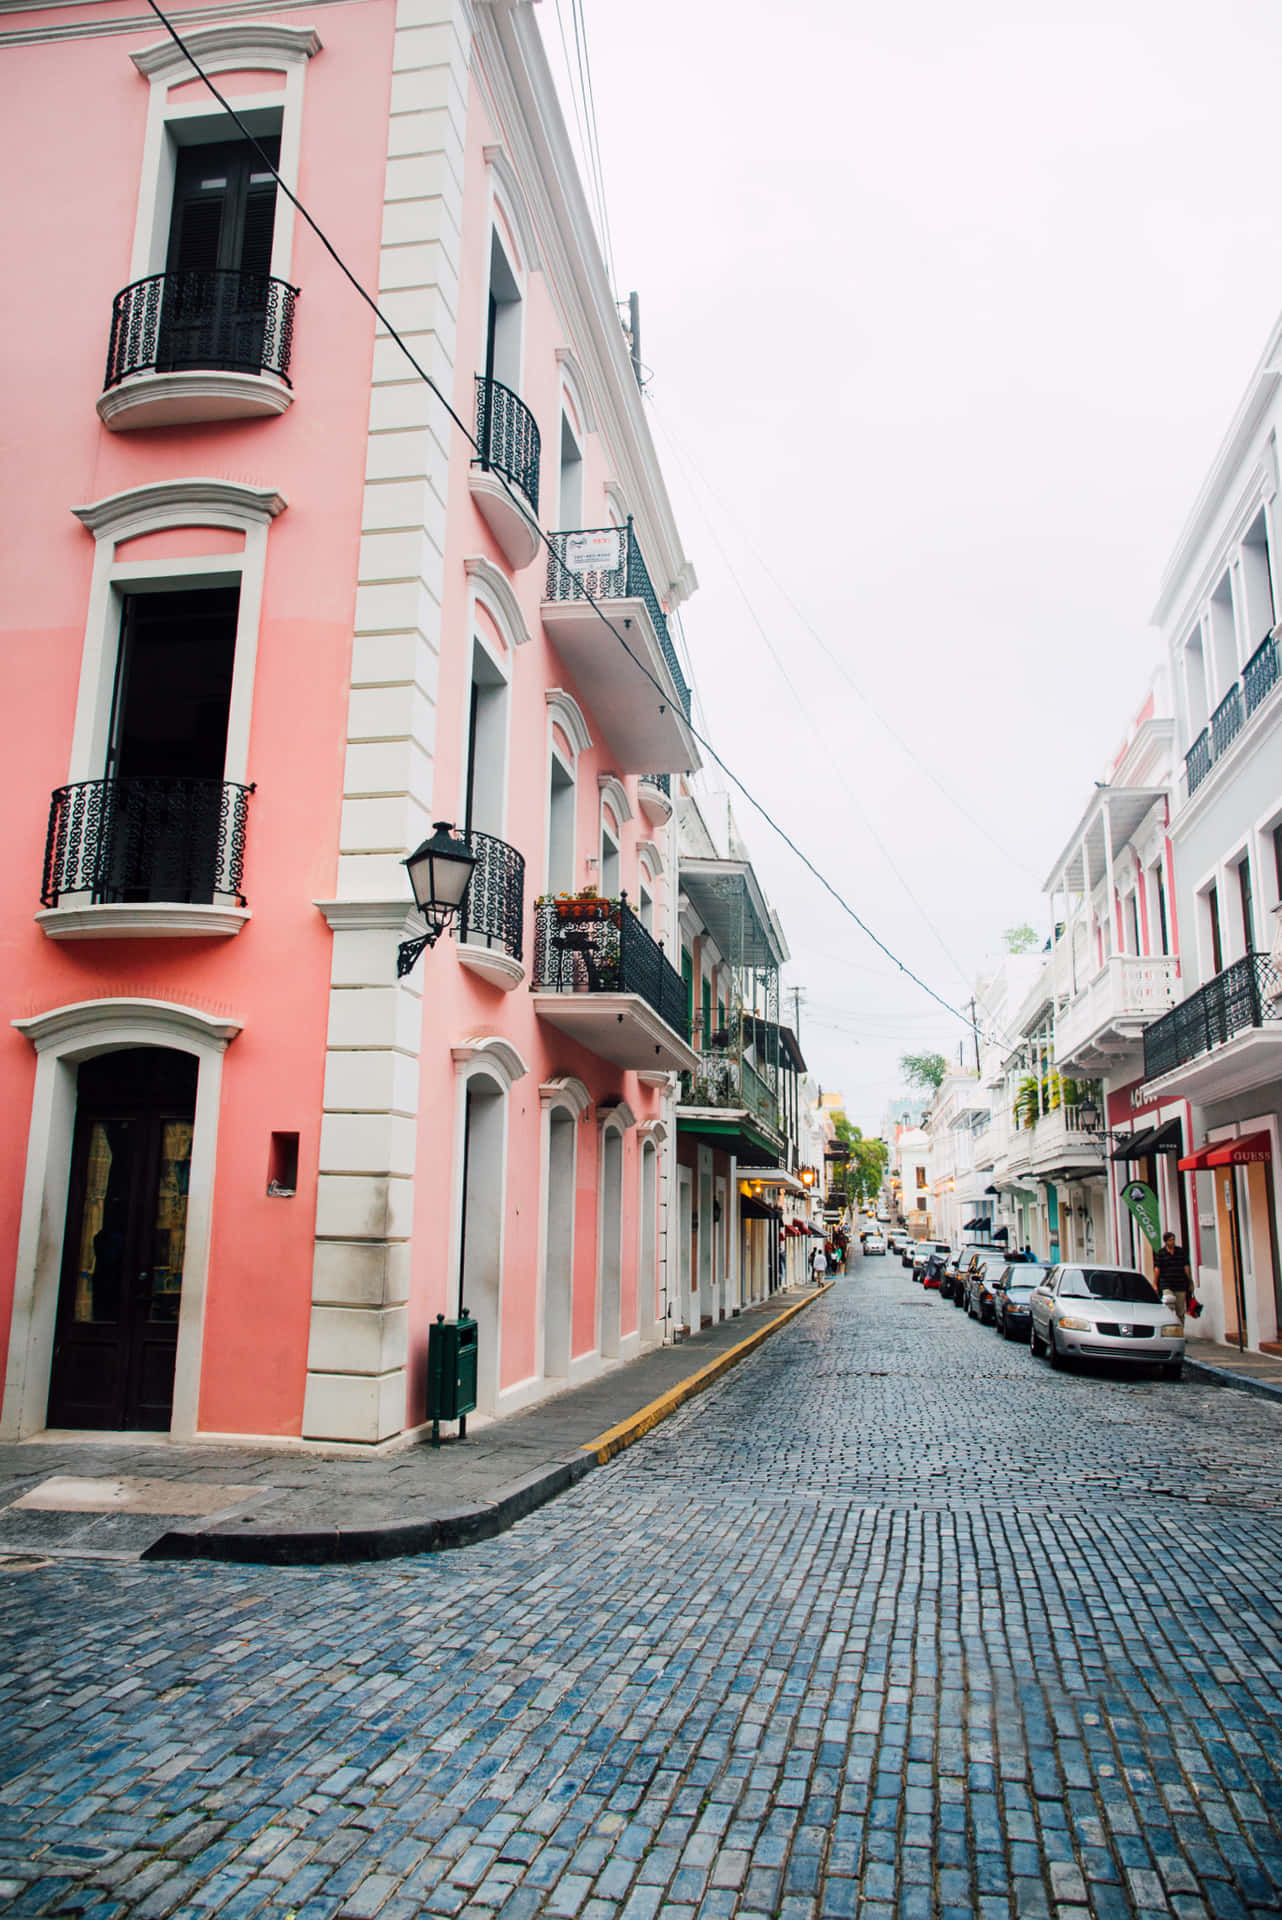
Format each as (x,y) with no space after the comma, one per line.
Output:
(440,871)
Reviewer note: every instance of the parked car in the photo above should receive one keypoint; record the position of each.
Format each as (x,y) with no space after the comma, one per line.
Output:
(981,1277)
(1104,1313)
(909,1253)
(1012,1292)
(948,1278)
(896,1241)
(927,1252)
(873,1243)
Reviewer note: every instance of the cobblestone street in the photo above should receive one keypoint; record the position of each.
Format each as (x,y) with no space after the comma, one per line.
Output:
(893,1622)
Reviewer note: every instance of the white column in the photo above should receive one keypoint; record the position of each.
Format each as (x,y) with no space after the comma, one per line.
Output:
(364,1217)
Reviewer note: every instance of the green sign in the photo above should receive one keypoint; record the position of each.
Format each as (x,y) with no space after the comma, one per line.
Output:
(1142,1202)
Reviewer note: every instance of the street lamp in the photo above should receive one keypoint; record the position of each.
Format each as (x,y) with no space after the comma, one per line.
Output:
(439,873)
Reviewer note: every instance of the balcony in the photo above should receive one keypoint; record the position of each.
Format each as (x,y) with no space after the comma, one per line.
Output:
(155,858)
(724,1080)
(1066,1140)
(654,795)
(1107,1019)
(601,979)
(1259,677)
(508,437)
(632,680)
(198,346)
(491,930)
(1226,1038)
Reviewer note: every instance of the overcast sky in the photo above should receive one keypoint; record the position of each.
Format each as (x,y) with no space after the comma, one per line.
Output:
(946,310)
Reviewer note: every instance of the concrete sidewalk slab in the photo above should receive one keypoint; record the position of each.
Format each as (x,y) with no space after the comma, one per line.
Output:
(310,1508)
(1251,1371)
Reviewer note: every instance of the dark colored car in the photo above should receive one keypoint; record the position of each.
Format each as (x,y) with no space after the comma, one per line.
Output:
(926,1252)
(986,1268)
(1012,1292)
(952,1271)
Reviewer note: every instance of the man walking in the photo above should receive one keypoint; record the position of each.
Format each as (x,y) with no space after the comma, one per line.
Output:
(1173,1275)
(819,1263)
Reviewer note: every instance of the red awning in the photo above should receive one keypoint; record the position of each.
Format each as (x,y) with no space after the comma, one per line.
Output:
(1248,1150)
(1196,1162)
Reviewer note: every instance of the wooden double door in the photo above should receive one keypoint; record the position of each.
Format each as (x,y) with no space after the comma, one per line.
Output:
(124,1247)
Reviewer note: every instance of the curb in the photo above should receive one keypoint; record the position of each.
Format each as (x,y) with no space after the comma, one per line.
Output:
(1225,1377)
(629,1431)
(465,1525)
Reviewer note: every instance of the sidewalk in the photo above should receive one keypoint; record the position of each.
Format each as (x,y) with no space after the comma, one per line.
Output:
(134,1498)
(1253,1372)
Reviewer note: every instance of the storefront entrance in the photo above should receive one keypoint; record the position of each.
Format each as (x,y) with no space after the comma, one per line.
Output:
(124,1245)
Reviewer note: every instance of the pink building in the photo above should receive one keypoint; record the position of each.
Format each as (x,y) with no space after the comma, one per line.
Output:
(269,617)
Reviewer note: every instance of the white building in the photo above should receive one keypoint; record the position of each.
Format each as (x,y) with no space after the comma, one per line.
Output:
(910,1162)
(1220,1049)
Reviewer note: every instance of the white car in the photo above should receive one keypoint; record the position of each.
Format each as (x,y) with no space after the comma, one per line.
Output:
(1104,1313)
(873,1243)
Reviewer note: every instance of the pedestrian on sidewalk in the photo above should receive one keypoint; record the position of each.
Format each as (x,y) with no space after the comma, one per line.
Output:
(1173,1274)
(819,1264)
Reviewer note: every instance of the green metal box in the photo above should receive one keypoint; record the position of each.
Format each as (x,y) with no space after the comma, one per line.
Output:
(451,1371)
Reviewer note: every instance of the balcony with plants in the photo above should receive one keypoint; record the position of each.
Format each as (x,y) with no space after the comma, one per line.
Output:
(602,979)
(631,679)
(504,475)
(1057,1125)
(727,1080)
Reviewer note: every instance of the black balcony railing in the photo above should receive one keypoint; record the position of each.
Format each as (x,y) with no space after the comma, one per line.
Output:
(600,946)
(1226,721)
(627,579)
(179,841)
(724,1078)
(495,909)
(1197,761)
(1246,994)
(1259,676)
(222,321)
(508,437)
(1260,673)
(663,781)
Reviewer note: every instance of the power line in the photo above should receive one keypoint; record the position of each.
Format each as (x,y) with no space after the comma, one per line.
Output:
(581,591)
(580,20)
(834,659)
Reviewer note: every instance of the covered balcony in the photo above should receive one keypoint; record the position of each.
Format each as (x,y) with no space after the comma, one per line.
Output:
(1107,1019)
(632,682)
(1224,1039)
(601,979)
(154,857)
(1068,1140)
(654,795)
(491,925)
(508,437)
(198,345)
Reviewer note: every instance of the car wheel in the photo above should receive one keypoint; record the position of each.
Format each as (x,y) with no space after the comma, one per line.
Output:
(1002,1327)
(1034,1344)
(1053,1353)
(1173,1370)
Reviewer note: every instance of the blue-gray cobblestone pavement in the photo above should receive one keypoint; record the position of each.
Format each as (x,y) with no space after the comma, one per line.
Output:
(893,1623)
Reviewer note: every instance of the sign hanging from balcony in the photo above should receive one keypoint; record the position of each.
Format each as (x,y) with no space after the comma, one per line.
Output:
(597,552)
(1142,1202)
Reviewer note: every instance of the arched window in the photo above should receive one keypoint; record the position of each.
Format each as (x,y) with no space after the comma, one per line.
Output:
(568,737)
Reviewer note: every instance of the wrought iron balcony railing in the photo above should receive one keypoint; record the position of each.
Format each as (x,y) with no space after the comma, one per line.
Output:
(508,437)
(1260,673)
(173,840)
(600,946)
(1259,676)
(495,911)
(626,579)
(724,1079)
(663,781)
(222,321)
(1226,721)
(1246,994)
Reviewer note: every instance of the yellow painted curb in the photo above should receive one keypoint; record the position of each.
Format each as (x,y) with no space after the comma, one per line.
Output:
(628,1431)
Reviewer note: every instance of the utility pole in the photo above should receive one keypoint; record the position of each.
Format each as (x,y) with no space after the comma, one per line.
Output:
(634,329)
(796,1013)
(974,1030)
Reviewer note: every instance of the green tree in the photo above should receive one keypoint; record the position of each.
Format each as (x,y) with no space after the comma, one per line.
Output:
(925,1070)
(866,1167)
(1020,939)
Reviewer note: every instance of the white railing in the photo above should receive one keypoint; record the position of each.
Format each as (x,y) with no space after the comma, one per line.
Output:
(1066,1134)
(1128,992)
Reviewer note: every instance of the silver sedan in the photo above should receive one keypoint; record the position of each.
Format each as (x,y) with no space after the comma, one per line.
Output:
(1104,1313)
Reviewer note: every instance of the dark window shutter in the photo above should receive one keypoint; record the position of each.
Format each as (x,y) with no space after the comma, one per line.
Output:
(260,219)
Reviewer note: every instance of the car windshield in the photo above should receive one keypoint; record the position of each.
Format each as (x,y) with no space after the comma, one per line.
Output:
(1108,1283)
